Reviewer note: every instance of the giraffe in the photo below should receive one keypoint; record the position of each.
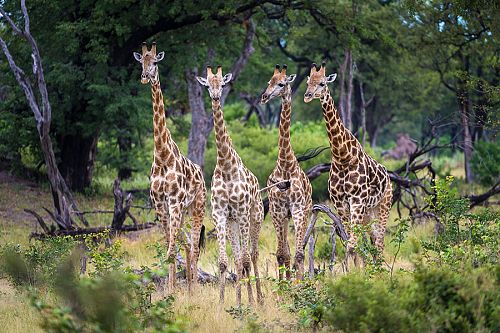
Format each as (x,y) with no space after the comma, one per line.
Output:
(295,201)
(177,184)
(359,186)
(237,208)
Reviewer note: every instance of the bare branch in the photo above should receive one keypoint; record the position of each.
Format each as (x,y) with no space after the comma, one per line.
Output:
(14,27)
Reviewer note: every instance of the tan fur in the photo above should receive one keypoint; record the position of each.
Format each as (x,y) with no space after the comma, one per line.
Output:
(295,201)
(177,184)
(359,186)
(237,207)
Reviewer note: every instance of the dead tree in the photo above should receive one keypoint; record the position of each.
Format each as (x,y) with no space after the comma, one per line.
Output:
(38,100)
(121,211)
(337,229)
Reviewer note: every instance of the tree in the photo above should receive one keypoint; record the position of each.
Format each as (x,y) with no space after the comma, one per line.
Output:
(64,203)
(90,73)
(458,41)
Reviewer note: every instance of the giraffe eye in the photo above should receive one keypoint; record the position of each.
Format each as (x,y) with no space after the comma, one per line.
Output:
(322,84)
(281,85)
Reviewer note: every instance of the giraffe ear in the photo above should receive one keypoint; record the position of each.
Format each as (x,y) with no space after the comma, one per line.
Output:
(159,56)
(138,56)
(202,80)
(330,78)
(227,78)
(291,78)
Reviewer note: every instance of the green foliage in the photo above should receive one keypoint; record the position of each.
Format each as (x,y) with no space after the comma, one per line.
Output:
(105,256)
(464,237)
(365,305)
(485,162)
(430,300)
(258,148)
(37,264)
(307,299)
(109,299)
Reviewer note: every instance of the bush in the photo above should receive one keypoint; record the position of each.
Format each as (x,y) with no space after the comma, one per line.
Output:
(463,236)
(365,305)
(109,299)
(433,299)
(485,162)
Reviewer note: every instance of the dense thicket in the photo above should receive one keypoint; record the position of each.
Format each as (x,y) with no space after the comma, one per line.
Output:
(400,64)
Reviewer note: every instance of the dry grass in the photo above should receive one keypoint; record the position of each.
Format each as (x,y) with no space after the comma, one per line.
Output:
(200,309)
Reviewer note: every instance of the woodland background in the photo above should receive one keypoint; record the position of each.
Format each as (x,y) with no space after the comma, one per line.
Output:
(413,73)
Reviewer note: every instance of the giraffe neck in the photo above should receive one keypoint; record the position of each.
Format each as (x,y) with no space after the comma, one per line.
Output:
(223,142)
(286,157)
(164,147)
(341,139)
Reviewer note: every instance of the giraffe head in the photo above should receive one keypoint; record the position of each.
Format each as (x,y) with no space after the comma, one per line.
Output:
(316,82)
(215,82)
(278,84)
(148,59)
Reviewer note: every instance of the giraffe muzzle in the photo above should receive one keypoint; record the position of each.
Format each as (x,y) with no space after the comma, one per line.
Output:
(264,99)
(308,97)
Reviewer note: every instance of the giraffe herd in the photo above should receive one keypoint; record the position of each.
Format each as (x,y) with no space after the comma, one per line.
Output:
(359,186)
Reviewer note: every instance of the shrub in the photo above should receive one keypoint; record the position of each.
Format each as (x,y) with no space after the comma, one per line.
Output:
(433,299)
(485,162)
(464,236)
(365,305)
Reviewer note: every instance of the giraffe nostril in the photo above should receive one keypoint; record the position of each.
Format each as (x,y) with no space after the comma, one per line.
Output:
(216,98)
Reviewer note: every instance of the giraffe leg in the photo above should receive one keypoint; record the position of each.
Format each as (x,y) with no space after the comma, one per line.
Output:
(219,216)
(279,215)
(234,237)
(383,215)
(246,262)
(257,217)
(175,224)
(300,220)
(357,213)
(197,223)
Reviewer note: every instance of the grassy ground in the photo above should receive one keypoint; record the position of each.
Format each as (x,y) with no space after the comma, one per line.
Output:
(200,309)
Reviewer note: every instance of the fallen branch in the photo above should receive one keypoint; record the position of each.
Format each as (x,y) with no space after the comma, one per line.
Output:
(479,199)
(96,230)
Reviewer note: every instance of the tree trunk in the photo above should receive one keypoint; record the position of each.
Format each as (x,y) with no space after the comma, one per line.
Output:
(77,160)
(125,146)
(467,143)
(201,121)
(39,103)
(363,114)
(464,103)
(350,88)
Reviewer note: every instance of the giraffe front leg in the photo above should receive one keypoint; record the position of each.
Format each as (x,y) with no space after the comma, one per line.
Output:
(256,223)
(279,215)
(219,216)
(197,224)
(357,214)
(234,238)
(246,262)
(384,210)
(300,219)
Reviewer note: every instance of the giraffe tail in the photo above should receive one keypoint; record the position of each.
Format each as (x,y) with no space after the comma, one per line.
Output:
(202,241)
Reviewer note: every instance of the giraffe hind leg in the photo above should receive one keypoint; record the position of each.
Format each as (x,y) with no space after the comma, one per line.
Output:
(383,216)
(257,217)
